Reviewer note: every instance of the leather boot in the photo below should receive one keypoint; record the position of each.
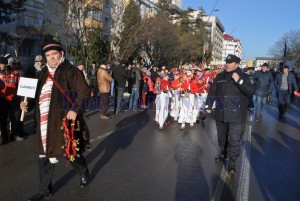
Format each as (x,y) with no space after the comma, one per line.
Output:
(221,156)
(81,168)
(231,165)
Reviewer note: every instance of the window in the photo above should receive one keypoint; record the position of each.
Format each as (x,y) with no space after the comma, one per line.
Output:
(106,3)
(3,16)
(25,49)
(95,14)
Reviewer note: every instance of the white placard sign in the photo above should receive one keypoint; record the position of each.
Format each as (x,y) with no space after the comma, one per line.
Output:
(27,87)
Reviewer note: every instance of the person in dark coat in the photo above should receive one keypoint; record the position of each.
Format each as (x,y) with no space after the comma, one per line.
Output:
(51,107)
(285,83)
(120,75)
(230,93)
(92,77)
(9,101)
(263,81)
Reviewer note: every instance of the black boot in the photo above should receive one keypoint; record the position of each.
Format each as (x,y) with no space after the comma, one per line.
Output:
(80,166)
(46,170)
(40,197)
(221,156)
(231,165)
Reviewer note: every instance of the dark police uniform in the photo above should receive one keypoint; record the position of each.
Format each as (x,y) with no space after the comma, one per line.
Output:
(231,101)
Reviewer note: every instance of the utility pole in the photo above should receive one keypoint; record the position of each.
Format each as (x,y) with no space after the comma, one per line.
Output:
(204,31)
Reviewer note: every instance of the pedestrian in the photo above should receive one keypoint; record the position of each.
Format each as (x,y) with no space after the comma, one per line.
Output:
(120,75)
(92,77)
(187,101)
(162,90)
(230,92)
(9,101)
(17,126)
(285,83)
(147,86)
(38,65)
(136,78)
(175,99)
(81,67)
(56,79)
(104,80)
(263,81)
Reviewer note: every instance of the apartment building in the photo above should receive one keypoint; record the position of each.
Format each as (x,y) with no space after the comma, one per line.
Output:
(215,30)
(231,45)
(28,28)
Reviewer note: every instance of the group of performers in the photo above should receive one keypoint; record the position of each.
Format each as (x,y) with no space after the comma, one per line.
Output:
(183,97)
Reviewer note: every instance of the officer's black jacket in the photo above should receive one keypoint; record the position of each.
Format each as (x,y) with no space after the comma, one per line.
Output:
(231,98)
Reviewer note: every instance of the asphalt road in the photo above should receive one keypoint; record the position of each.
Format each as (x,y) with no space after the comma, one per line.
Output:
(132,160)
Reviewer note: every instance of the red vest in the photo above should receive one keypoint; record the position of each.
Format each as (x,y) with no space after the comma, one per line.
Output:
(9,80)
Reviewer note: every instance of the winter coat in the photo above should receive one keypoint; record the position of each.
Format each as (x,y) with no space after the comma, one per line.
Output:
(73,83)
(104,80)
(292,84)
(92,73)
(120,74)
(263,83)
(136,77)
(231,98)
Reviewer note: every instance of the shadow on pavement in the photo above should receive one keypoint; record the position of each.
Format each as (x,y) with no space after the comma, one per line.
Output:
(121,138)
(191,181)
(274,164)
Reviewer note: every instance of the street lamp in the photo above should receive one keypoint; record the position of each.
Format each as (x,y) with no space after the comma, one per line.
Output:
(204,31)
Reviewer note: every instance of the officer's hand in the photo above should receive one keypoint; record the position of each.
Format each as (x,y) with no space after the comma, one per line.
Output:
(235,76)
(24,106)
(71,115)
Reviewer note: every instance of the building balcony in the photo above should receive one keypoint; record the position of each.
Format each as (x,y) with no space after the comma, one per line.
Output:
(91,23)
(94,3)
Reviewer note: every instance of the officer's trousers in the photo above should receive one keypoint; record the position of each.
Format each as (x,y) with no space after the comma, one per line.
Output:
(230,134)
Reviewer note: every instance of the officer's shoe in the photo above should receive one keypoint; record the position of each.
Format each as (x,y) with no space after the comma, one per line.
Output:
(220,158)
(40,197)
(84,182)
(231,165)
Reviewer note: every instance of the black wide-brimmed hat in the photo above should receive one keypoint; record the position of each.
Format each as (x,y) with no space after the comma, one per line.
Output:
(51,43)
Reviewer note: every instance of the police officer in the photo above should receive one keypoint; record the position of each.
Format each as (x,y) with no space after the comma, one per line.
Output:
(230,93)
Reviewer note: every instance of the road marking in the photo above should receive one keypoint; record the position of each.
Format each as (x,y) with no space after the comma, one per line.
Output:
(244,181)
(219,189)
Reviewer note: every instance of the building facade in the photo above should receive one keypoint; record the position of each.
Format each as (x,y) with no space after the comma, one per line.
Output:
(214,30)
(231,45)
(272,62)
(29,27)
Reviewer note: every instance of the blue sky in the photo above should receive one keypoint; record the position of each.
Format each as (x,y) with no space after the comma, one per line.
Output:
(258,24)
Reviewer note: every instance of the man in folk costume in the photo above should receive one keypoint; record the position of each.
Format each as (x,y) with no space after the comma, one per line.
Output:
(175,100)
(187,101)
(161,89)
(208,77)
(54,81)
(199,88)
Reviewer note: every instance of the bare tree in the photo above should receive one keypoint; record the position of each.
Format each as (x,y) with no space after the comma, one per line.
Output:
(288,47)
